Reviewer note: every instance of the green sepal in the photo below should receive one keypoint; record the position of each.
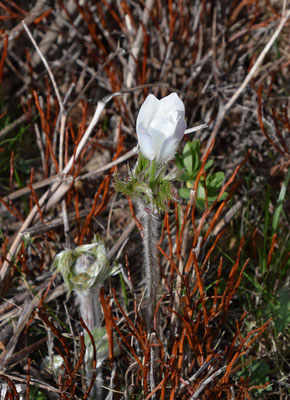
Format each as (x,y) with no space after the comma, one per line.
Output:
(142,164)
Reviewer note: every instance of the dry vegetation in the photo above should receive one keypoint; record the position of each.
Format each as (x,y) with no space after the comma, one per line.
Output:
(68,106)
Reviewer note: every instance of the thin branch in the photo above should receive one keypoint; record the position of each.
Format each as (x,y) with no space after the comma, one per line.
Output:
(45,64)
(137,43)
(207,381)
(13,125)
(224,109)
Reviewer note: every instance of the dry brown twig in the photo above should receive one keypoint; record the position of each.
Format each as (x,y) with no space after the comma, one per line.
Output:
(178,289)
(51,35)
(55,178)
(166,35)
(63,182)
(56,192)
(223,109)
(136,46)
(34,13)
(27,310)
(203,385)
(19,121)
(58,189)
(63,116)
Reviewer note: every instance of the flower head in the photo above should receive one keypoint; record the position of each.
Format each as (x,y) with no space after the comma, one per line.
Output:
(84,267)
(160,127)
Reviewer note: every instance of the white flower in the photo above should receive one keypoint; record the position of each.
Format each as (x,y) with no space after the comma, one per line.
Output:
(160,127)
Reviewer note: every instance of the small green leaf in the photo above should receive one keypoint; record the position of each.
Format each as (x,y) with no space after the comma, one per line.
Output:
(185,177)
(280,202)
(184,193)
(279,310)
(212,196)
(215,180)
(36,394)
(208,164)
(200,193)
(195,146)
(187,158)
(179,161)
(195,149)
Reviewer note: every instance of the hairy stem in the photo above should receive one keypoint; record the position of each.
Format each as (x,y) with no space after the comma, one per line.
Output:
(150,222)
(90,311)
(90,308)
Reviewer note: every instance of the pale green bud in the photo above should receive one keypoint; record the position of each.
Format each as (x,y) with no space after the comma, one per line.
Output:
(84,267)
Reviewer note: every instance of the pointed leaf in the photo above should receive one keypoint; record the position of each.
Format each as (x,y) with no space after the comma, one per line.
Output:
(208,164)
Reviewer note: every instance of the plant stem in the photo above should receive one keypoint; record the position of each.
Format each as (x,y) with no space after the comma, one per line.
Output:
(90,311)
(150,222)
(90,308)
(152,174)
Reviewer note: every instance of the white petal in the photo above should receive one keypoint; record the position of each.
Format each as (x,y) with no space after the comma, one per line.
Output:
(169,146)
(172,102)
(173,116)
(179,129)
(157,138)
(168,150)
(145,143)
(164,125)
(147,112)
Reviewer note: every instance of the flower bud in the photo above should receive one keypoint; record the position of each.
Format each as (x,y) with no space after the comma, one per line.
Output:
(84,267)
(160,127)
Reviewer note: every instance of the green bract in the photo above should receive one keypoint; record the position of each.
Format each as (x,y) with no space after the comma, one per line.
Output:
(138,185)
(190,163)
(84,267)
